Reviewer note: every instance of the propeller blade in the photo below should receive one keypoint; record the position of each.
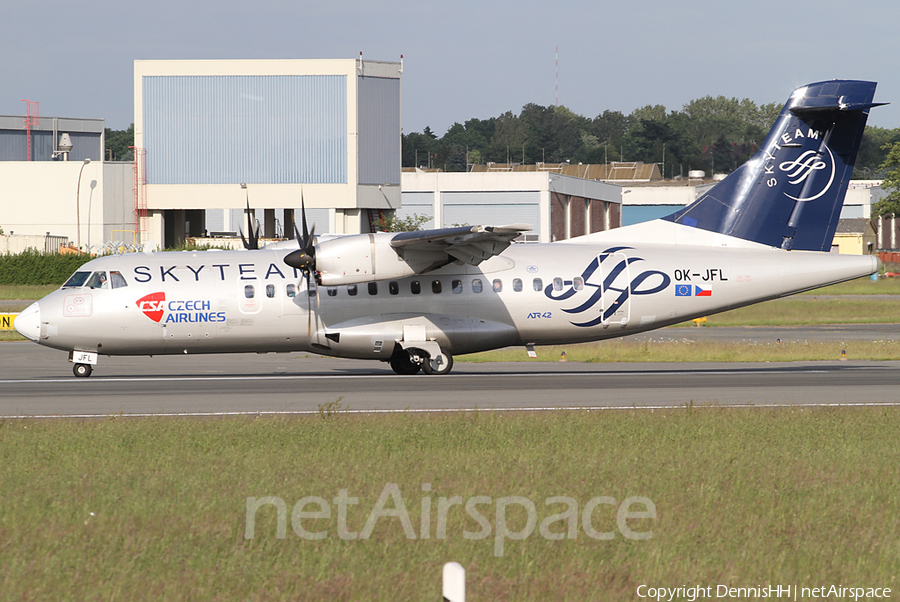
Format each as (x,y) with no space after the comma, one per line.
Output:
(304,258)
(252,240)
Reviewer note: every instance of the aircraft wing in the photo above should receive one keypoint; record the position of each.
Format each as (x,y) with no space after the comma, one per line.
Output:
(471,245)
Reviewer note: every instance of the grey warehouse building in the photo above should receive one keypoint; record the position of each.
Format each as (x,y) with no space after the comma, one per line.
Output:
(213,135)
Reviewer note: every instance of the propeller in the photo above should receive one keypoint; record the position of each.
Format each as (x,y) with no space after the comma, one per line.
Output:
(304,259)
(253,243)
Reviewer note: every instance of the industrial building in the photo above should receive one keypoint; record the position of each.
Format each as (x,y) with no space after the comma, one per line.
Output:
(557,206)
(211,135)
(54,184)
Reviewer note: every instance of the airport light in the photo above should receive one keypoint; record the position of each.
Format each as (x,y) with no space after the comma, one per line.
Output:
(78,206)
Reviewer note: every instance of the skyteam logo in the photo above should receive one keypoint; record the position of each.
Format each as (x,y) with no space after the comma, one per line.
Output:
(610,280)
(800,169)
(813,171)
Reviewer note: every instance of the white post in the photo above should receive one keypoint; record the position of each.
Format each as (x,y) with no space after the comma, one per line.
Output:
(454,582)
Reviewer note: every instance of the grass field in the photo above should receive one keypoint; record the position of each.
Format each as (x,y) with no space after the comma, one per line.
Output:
(156,509)
(26,291)
(666,350)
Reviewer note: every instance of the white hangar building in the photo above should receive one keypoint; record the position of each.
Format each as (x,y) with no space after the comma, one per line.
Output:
(557,206)
(212,134)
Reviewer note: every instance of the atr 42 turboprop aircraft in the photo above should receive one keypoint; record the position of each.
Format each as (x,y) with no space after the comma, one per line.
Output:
(416,299)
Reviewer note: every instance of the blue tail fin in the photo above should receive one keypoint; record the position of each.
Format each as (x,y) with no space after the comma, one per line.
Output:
(790,193)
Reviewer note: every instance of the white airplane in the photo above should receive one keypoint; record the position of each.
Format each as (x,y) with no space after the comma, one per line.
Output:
(416,299)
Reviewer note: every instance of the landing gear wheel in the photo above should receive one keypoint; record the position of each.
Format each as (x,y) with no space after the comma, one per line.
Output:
(82,370)
(439,364)
(402,363)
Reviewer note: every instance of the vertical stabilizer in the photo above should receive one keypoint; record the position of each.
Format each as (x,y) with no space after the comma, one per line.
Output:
(790,193)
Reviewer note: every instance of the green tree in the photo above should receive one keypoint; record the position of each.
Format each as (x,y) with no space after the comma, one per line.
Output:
(873,151)
(392,223)
(117,143)
(890,204)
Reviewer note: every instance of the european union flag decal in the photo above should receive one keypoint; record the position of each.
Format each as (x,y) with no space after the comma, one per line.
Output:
(683,290)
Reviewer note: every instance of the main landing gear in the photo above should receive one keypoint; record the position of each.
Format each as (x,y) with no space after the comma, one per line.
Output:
(410,361)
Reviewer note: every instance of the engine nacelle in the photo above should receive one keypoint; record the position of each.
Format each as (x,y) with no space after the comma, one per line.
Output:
(360,258)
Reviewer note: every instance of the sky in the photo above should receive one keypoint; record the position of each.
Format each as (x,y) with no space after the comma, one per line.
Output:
(463,59)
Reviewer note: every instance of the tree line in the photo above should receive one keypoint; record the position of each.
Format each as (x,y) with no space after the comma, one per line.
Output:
(713,134)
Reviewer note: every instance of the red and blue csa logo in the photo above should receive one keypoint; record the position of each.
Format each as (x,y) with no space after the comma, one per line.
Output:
(153,305)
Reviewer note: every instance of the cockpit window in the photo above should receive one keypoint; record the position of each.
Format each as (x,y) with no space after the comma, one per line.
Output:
(118,280)
(77,279)
(98,280)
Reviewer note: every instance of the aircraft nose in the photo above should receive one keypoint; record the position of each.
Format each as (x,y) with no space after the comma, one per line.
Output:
(28,323)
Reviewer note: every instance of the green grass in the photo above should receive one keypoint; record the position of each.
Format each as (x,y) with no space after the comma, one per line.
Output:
(624,350)
(794,311)
(861,286)
(155,509)
(26,291)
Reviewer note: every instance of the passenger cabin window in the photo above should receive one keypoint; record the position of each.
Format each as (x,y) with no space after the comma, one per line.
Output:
(457,286)
(415,287)
(249,291)
(373,288)
(332,291)
(578,283)
(270,291)
(517,285)
(117,279)
(476,285)
(538,284)
(394,287)
(351,290)
(290,290)
(436,287)
(98,280)
(557,284)
(498,285)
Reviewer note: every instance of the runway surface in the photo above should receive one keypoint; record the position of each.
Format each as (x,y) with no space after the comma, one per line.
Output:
(35,381)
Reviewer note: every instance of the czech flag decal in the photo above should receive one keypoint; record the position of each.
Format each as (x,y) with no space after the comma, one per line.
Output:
(699,292)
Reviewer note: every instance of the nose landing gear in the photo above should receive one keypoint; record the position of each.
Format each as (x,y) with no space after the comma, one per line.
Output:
(82,370)
(84,362)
